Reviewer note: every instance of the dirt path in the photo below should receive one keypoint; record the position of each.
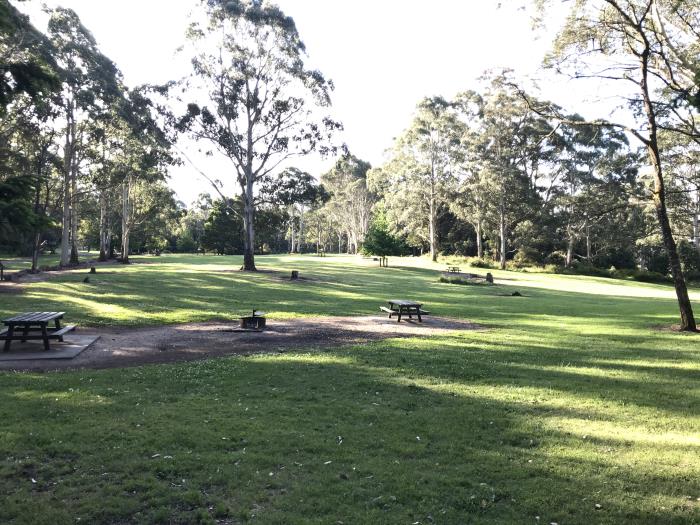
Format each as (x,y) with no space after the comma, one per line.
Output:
(122,347)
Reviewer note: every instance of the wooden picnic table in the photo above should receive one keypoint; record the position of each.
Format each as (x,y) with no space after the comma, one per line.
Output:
(34,322)
(453,269)
(402,307)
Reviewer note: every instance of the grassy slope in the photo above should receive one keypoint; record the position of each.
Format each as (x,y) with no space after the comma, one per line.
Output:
(569,400)
(12,262)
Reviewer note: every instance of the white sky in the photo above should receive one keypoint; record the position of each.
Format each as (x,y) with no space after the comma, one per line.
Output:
(383,56)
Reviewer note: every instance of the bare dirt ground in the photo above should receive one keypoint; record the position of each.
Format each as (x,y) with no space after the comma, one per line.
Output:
(123,347)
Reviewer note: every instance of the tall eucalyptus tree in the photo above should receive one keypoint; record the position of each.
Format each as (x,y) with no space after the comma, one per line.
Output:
(651,47)
(262,102)
(89,84)
(422,168)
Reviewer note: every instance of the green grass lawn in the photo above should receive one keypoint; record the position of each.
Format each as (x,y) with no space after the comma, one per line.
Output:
(571,399)
(14,262)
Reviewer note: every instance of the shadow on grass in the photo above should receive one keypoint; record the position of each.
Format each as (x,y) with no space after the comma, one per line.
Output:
(377,433)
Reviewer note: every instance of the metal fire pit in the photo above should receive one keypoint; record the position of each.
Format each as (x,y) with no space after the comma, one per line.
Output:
(253,322)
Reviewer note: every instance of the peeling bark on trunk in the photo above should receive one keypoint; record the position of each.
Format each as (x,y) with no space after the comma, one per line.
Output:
(589,246)
(103,227)
(432,220)
(74,217)
(249,227)
(300,240)
(66,215)
(570,240)
(37,233)
(479,241)
(126,187)
(293,240)
(502,232)
(696,222)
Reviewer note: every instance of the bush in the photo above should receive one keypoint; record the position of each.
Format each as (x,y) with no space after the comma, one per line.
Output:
(460,280)
(555,259)
(690,258)
(524,257)
(619,258)
(585,268)
(693,276)
(186,244)
(475,262)
(645,276)
(380,241)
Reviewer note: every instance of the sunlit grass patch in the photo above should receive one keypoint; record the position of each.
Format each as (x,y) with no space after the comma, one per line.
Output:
(570,405)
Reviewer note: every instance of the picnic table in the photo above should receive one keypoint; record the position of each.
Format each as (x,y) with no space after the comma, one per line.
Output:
(402,307)
(453,269)
(34,322)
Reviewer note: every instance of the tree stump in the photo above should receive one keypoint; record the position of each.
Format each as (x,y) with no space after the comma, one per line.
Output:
(489,278)
(295,275)
(92,269)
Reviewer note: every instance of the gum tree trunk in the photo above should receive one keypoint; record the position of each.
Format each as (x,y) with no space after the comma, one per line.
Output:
(125,219)
(659,197)
(479,242)
(67,166)
(249,227)
(37,234)
(103,227)
(291,249)
(74,217)
(502,232)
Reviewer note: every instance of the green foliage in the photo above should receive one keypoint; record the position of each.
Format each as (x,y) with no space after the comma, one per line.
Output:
(16,214)
(223,230)
(262,101)
(28,65)
(380,241)
(475,262)
(690,258)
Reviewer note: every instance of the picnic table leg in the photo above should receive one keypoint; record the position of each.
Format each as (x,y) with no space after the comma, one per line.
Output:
(58,327)
(8,335)
(399,316)
(25,332)
(45,336)
(419,318)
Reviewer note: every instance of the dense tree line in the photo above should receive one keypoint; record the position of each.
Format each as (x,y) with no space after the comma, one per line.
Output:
(496,173)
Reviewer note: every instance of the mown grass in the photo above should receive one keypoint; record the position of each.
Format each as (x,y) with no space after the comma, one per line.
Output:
(571,398)
(14,262)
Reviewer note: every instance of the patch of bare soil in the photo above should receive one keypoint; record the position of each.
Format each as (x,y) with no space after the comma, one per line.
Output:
(123,347)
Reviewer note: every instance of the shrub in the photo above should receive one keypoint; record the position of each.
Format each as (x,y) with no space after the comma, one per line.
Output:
(556,259)
(584,268)
(619,258)
(645,276)
(460,280)
(475,262)
(690,258)
(525,257)
(380,241)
